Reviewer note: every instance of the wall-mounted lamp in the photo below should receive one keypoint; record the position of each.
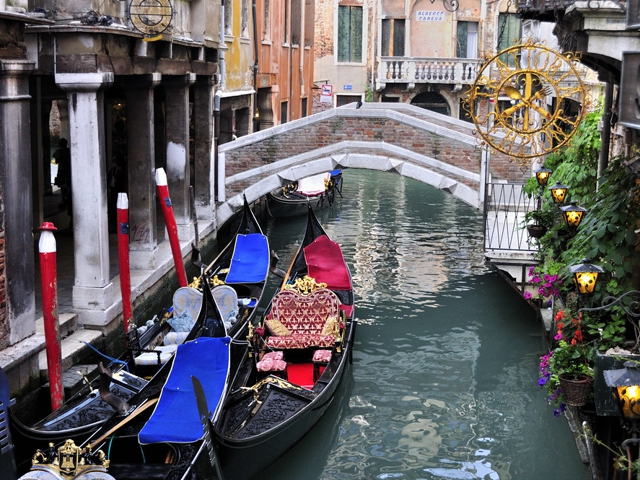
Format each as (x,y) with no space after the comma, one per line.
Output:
(542,176)
(573,214)
(558,192)
(585,276)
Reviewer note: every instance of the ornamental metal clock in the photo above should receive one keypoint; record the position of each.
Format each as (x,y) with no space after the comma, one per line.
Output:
(150,17)
(518,82)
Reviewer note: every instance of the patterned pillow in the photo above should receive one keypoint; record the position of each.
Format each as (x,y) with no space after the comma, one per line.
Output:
(277,328)
(330,326)
(182,323)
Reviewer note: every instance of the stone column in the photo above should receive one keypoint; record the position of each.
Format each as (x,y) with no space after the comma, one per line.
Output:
(143,244)
(204,146)
(16,188)
(177,148)
(93,292)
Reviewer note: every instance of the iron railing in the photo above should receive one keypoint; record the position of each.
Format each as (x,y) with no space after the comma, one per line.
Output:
(505,207)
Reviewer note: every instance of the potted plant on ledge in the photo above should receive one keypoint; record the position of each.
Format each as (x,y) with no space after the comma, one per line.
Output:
(538,222)
(566,372)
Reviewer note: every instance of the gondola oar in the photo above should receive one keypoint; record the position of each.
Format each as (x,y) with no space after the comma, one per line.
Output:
(205,417)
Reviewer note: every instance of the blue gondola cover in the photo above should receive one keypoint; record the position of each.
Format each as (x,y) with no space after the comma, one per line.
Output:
(250,260)
(176,417)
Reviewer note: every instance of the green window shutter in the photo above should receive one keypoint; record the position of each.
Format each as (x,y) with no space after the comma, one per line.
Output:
(461,47)
(356,34)
(343,34)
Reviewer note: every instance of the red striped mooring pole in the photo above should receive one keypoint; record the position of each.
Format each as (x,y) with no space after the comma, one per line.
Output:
(49,284)
(123,260)
(170,222)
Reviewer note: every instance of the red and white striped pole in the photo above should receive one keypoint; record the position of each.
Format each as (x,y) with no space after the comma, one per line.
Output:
(123,259)
(170,222)
(49,284)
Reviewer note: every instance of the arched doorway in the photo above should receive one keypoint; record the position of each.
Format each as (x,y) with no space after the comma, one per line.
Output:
(432,101)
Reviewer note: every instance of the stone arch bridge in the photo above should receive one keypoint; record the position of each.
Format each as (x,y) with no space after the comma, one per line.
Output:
(435,149)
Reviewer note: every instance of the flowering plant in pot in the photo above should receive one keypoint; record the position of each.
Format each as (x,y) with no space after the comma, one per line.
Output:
(568,366)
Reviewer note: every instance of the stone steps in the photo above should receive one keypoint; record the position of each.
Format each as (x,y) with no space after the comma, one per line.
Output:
(74,340)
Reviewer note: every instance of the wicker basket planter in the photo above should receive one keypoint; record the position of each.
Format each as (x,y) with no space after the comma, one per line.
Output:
(576,389)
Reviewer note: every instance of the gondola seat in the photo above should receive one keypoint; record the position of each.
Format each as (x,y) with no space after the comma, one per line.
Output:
(303,321)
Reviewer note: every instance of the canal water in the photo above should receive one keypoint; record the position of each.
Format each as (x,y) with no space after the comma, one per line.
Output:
(444,379)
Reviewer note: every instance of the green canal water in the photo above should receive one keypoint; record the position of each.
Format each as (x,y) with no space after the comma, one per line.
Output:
(444,379)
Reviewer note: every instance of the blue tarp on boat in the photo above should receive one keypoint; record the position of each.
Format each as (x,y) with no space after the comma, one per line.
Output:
(176,417)
(250,260)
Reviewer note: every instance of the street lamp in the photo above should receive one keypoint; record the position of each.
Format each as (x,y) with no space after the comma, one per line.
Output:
(573,214)
(585,276)
(542,176)
(558,192)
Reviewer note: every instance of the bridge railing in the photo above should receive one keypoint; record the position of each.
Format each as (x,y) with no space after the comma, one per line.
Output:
(505,207)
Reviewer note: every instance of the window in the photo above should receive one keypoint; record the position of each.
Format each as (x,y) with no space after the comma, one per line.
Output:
(388,99)
(347,99)
(349,34)
(227,18)
(393,37)
(467,46)
(284,109)
(508,34)
(266,34)
(244,19)
(303,108)
(296,22)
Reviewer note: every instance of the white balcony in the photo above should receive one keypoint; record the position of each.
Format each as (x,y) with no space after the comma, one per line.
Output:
(412,71)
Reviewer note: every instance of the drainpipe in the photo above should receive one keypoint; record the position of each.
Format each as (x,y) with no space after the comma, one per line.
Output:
(216,140)
(256,52)
(223,46)
(302,50)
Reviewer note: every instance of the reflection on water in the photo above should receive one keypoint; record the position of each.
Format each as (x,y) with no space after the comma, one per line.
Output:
(444,380)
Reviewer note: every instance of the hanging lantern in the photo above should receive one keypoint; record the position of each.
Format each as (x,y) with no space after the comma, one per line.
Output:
(558,192)
(573,214)
(542,176)
(585,276)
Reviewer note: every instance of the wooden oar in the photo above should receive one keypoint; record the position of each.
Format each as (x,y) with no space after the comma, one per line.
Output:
(134,414)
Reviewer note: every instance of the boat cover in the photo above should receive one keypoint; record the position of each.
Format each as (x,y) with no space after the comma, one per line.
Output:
(176,417)
(326,263)
(313,185)
(250,260)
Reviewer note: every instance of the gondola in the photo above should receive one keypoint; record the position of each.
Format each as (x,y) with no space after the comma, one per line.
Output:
(292,199)
(238,278)
(197,423)
(296,361)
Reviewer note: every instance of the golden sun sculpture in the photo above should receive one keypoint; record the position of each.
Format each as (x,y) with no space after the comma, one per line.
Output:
(519,98)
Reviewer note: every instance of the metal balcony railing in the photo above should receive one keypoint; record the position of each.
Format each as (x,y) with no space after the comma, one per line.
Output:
(427,70)
(505,207)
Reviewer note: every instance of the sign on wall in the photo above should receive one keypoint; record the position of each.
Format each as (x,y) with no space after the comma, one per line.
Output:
(326,93)
(430,16)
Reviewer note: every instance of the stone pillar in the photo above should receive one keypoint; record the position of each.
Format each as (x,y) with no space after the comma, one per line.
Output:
(177,147)
(16,188)
(93,292)
(204,146)
(142,169)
